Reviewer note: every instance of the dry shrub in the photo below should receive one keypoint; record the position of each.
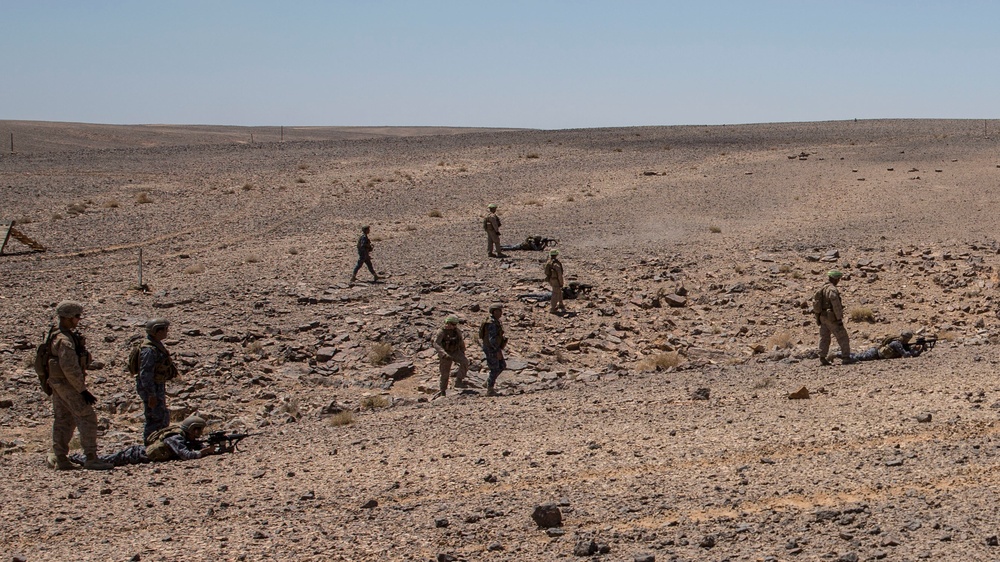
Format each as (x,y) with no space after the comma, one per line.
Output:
(374,402)
(409,228)
(194,269)
(532,155)
(290,406)
(380,353)
(253,259)
(342,418)
(862,314)
(463,169)
(434,213)
(535,202)
(110,204)
(659,362)
(247,186)
(300,180)
(303,166)
(76,209)
(714,229)
(143,198)
(781,340)
(948,336)
(255,347)
(785,268)
(570,198)
(765,382)
(293,251)
(56,217)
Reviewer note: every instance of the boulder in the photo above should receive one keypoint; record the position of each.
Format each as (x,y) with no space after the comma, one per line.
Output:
(397,371)
(547,516)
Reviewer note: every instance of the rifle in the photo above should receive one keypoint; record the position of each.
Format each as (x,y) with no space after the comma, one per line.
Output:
(230,441)
(576,290)
(923,343)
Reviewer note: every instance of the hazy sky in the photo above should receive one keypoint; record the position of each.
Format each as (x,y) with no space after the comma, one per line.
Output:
(539,64)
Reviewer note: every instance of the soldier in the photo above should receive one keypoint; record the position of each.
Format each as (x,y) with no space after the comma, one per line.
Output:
(491,224)
(364,255)
(891,348)
(829,312)
(172,442)
(72,403)
(494,342)
(155,369)
(451,349)
(554,275)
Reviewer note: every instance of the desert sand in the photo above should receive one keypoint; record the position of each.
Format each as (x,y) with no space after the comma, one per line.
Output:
(248,247)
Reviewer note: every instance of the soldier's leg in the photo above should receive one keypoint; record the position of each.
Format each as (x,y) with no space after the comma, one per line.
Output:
(494,245)
(136,454)
(824,339)
(463,368)
(557,298)
(445,368)
(63,423)
(160,414)
(86,421)
(357,268)
(368,262)
(843,340)
(867,355)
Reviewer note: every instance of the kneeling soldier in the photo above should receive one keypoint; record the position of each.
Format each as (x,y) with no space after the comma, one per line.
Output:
(451,349)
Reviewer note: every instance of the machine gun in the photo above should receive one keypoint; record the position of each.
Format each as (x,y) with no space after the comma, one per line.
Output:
(229,441)
(923,343)
(532,243)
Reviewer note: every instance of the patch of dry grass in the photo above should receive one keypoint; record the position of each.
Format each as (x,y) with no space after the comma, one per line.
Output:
(861,314)
(659,362)
(380,353)
(194,269)
(714,229)
(110,204)
(434,213)
(143,198)
(374,402)
(342,418)
(781,340)
(253,258)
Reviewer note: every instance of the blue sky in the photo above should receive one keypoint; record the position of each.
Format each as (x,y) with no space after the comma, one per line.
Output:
(542,64)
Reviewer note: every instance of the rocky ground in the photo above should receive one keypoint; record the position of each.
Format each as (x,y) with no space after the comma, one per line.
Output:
(655,416)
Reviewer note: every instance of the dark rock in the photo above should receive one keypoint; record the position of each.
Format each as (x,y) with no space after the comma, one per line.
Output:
(585,548)
(259,535)
(826,515)
(494,547)
(4,404)
(701,394)
(924,418)
(443,557)
(707,542)
(397,371)
(848,557)
(992,540)
(370,504)
(547,516)
(674,300)
(555,532)
(324,354)
(644,558)
(441,523)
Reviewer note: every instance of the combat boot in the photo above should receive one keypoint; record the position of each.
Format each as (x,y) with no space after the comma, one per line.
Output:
(824,361)
(491,391)
(439,394)
(95,463)
(59,462)
(354,279)
(848,361)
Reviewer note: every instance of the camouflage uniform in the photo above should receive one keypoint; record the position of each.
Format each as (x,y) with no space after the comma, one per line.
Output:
(166,444)
(830,316)
(891,348)
(554,275)
(494,342)
(364,255)
(68,379)
(450,346)
(491,224)
(155,369)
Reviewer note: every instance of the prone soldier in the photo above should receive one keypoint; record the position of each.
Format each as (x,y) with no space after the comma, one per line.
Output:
(182,441)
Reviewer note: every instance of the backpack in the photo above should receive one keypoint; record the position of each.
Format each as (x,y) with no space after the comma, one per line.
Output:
(156,449)
(133,359)
(819,300)
(42,355)
(482,331)
(486,223)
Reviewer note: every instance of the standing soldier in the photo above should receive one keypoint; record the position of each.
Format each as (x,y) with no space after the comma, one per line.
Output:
(451,349)
(72,403)
(554,275)
(494,342)
(829,313)
(155,369)
(491,224)
(364,255)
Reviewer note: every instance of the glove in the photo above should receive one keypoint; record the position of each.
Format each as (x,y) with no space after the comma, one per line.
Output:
(88,398)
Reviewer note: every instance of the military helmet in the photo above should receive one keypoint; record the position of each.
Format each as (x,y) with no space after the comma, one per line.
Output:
(834,274)
(496,306)
(69,309)
(906,336)
(156,324)
(553,253)
(193,422)
(492,206)
(451,320)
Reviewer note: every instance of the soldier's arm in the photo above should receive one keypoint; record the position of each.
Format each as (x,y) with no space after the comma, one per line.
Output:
(179,446)
(69,362)
(837,306)
(147,368)
(438,339)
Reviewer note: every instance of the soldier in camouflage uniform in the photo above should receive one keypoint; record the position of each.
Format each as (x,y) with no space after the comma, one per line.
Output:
(172,442)
(72,403)
(365,248)
(891,348)
(155,369)
(491,224)
(829,312)
(494,342)
(450,347)
(554,276)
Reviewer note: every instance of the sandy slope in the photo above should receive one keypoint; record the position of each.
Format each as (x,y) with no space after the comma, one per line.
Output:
(248,248)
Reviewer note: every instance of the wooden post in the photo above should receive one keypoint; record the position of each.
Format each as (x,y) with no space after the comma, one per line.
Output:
(251,138)
(282,133)
(140,268)
(12,143)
